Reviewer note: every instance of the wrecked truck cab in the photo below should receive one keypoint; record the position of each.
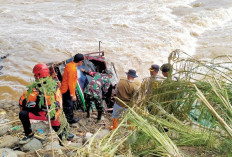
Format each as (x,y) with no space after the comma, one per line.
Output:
(95,62)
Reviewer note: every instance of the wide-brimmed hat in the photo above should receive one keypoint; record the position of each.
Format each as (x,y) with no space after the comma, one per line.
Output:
(132,73)
(154,67)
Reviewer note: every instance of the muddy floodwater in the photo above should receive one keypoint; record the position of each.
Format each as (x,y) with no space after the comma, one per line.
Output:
(134,34)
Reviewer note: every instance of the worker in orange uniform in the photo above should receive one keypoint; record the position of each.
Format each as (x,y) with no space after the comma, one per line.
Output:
(32,107)
(68,87)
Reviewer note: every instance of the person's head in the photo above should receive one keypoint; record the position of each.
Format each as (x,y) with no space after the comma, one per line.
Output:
(109,73)
(166,68)
(154,69)
(41,70)
(78,58)
(131,74)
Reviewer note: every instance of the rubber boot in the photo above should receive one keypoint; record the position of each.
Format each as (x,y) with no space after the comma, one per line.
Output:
(69,138)
(88,110)
(115,124)
(70,135)
(99,115)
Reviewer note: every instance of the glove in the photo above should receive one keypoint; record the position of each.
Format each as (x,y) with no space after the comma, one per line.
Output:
(92,73)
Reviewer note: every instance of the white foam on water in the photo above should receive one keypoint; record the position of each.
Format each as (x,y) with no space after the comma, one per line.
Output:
(134,33)
(202,16)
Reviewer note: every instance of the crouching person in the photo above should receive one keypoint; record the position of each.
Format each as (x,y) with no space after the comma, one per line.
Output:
(33,102)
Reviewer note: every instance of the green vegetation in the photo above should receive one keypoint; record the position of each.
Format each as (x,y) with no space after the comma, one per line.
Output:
(47,87)
(194,112)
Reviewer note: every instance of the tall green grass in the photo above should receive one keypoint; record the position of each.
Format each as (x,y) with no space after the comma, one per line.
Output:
(194,111)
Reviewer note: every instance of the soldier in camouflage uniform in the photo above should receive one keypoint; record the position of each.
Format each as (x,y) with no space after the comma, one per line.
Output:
(95,91)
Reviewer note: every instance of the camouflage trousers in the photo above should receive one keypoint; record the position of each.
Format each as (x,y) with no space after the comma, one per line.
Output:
(89,100)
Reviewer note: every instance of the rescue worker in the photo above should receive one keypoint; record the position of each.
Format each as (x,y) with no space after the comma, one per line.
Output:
(155,79)
(68,87)
(169,85)
(167,70)
(96,90)
(148,85)
(31,106)
(126,88)
(154,69)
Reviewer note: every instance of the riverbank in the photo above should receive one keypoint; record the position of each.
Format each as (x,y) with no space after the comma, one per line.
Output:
(11,131)
(188,117)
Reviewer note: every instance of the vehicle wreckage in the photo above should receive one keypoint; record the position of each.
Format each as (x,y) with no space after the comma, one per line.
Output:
(94,62)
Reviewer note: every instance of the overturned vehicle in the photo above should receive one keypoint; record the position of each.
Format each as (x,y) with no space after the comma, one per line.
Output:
(94,62)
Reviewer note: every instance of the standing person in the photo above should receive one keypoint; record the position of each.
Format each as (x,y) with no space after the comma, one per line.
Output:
(33,102)
(167,71)
(154,69)
(68,87)
(170,85)
(149,86)
(155,79)
(125,91)
(96,90)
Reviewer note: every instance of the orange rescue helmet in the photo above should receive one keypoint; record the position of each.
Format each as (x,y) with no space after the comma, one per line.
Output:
(41,70)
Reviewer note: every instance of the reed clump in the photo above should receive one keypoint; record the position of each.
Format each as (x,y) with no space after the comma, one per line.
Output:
(193,112)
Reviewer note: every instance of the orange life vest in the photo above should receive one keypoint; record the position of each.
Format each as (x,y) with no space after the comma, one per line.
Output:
(31,101)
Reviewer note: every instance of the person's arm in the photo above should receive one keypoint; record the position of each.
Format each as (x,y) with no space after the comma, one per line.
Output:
(30,102)
(88,73)
(22,101)
(106,84)
(58,98)
(136,88)
(72,81)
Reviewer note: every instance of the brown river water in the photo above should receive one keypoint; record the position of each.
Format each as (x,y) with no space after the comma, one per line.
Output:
(134,33)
